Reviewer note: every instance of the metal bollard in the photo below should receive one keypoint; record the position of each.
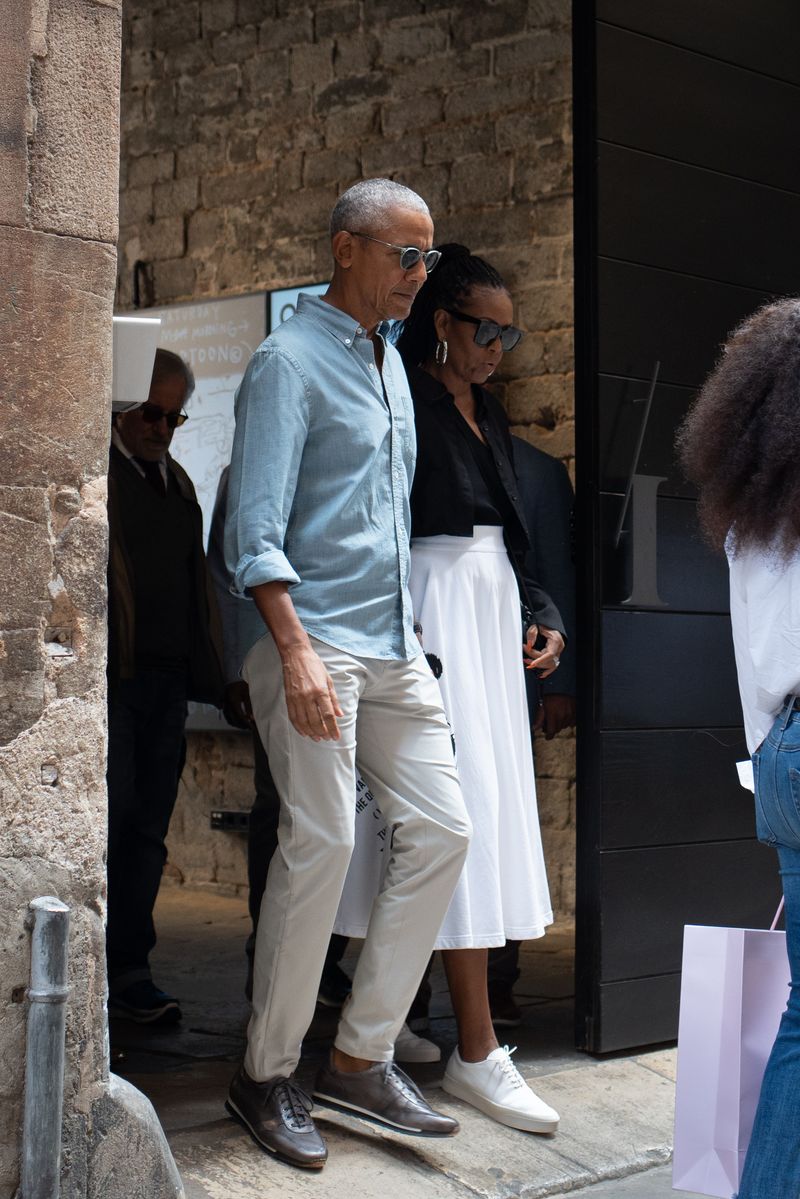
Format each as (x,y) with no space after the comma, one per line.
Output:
(44,1057)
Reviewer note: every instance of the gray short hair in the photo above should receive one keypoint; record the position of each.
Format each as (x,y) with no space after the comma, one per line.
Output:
(167,365)
(363,205)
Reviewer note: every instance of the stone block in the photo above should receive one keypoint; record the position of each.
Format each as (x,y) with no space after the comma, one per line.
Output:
(74,152)
(487,22)
(242,147)
(485,230)
(16,116)
(163,238)
(329,166)
(553,81)
(24,541)
(549,12)
(284,31)
(443,71)
(385,156)
(129,1157)
(479,181)
(234,45)
(489,98)
(552,796)
(451,144)
(432,183)
(206,231)
(216,16)
(311,65)
(559,352)
(558,442)
(409,40)
(303,213)
(546,305)
(253,12)
(265,72)
(236,186)
(377,12)
(417,112)
(210,91)
(543,45)
(345,93)
(355,54)
(361,121)
(21,677)
(178,23)
(57,298)
(337,19)
(175,196)
(543,400)
(151,168)
(549,175)
(201,157)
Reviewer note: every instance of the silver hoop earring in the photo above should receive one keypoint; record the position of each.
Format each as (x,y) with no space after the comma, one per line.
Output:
(441,352)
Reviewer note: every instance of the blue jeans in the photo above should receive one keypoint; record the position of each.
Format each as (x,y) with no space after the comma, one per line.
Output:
(772,1166)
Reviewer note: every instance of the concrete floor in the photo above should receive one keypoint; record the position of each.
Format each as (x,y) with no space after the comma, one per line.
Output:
(613,1143)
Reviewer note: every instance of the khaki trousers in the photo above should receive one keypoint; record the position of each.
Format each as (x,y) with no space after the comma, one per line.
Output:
(394,726)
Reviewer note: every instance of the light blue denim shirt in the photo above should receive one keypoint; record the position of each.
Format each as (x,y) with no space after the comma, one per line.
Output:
(321,469)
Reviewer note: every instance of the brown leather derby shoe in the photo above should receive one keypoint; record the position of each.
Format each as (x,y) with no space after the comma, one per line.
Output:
(385,1094)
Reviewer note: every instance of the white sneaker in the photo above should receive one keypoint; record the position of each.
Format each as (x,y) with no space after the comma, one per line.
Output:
(410,1048)
(496,1087)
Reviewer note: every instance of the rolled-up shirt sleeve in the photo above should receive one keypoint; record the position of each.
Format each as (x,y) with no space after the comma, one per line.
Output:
(272,421)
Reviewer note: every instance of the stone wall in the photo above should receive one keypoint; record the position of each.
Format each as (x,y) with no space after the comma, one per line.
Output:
(243,119)
(59,140)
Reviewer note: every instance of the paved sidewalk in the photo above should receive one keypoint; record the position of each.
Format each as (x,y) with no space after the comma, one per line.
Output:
(613,1143)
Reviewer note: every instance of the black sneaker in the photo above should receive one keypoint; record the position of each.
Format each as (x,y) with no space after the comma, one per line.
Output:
(143,1003)
(334,986)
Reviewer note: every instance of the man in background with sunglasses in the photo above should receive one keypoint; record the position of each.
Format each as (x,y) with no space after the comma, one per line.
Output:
(160,654)
(317,533)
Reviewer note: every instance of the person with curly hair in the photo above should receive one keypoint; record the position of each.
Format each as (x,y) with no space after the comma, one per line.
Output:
(740,444)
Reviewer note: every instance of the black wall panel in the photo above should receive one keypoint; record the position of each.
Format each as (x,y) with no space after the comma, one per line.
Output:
(764,37)
(687,199)
(650,894)
(652,315)
(729,230)
(685,106)
(672,787)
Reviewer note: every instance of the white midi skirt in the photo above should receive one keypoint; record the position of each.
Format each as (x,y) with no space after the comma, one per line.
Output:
(466,598)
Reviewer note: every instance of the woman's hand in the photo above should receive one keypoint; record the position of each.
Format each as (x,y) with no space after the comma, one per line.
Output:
(547,659)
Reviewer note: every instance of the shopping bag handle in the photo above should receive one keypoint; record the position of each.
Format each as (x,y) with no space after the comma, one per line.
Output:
(777,915)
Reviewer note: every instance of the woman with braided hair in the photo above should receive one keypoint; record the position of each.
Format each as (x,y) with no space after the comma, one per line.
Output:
(467,579)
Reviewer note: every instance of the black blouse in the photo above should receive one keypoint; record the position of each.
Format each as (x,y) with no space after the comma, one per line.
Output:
(444,496)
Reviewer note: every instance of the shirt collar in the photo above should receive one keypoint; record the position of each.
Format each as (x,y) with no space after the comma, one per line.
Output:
(343,326)
(120,445)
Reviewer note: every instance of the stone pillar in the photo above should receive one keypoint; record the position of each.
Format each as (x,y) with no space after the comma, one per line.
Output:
(59,146)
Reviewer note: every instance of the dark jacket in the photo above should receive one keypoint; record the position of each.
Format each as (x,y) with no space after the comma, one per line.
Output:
(205,683)
(442,497)
(548,501)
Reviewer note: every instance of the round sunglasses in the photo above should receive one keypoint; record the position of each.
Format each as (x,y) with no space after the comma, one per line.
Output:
(409,255)
(488,331)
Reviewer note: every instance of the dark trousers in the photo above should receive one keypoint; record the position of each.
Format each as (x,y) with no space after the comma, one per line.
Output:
(146,717)
(262,841)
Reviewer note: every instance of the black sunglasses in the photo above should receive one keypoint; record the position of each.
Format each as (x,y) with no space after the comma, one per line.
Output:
(151,414)
(489,331)
(409,255)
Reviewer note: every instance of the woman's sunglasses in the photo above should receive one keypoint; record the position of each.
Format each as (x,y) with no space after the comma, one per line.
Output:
(489,331)
(151,414)
(409,255)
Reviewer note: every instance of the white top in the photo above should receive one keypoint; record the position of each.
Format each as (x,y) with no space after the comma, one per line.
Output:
(765,615)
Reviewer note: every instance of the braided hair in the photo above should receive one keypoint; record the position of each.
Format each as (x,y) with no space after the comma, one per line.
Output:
(456,274)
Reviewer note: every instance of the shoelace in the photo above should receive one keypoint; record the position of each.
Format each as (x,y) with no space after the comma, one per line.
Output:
(509,1069)
(403,1082)
(295,1104)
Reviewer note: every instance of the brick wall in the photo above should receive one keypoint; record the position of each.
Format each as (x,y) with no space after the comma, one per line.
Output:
(243,119)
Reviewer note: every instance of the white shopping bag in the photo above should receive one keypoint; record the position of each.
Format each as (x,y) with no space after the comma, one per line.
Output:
(734,990)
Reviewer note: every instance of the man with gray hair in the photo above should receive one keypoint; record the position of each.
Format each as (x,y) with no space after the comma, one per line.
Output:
(317,533)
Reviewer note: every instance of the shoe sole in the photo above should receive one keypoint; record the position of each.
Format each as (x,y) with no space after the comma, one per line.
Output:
(502,1115)
(352,1109)
(234,1112)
